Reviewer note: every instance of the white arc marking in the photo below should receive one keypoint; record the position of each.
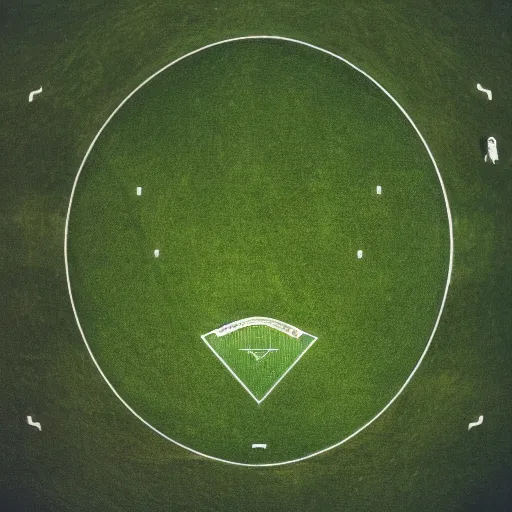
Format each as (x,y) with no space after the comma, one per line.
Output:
(443,300)
(34,423)
(259,445)
(476,423)
(487,91)
(33,93)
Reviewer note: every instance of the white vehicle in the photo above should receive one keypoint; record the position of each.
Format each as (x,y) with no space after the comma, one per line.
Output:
(492,150)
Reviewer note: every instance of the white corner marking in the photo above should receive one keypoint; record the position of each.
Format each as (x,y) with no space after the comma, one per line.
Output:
(33,93)
(476,423)
(32,423)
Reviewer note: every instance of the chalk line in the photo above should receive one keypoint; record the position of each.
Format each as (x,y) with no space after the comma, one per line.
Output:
(33,93)
(487,91)
(33,423)
(476,423)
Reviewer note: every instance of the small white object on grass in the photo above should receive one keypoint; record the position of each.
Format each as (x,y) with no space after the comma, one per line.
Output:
(379,190)
(359,254)
(259,445)
(157,253)
(487,91)
(492,150)
(34,423)
(139,191)
(33,93)
(476,423)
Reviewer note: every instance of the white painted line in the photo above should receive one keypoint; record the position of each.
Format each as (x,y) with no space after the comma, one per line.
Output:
(285,328)
(443,300)
(139,191)
(259,445)
(379,190)
(259,349)
(34,423)
(359,254)
(487,91)
(476,423)
(33,93)
(157,253)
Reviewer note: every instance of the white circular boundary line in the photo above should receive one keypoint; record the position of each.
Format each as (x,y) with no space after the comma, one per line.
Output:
(448,280)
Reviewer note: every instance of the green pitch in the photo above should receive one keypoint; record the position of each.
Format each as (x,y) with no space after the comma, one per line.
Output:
(92,453)
(259,162)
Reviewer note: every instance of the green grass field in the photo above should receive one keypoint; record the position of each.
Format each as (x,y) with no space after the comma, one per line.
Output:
(258,162)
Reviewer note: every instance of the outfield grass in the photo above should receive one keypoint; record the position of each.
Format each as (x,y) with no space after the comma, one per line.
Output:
(92,454)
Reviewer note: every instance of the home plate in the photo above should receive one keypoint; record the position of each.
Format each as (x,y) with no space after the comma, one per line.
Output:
(359,254)
(259,445)
(157,253)
(139,191)
(379,190)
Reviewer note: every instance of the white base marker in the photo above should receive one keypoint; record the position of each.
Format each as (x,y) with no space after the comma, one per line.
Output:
(476,423)
(259,445)
(359,254)
(157,253)
(139,191)
(33,93)
(487,91)
(34,423)
(379,190)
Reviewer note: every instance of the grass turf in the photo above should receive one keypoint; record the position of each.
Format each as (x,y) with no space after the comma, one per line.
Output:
(419,455)
(258,161)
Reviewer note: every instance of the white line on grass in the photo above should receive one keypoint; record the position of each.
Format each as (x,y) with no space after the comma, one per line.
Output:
(33,93)
(33,423)
(476,423)
(283,327)
(259,349)
(450,264)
